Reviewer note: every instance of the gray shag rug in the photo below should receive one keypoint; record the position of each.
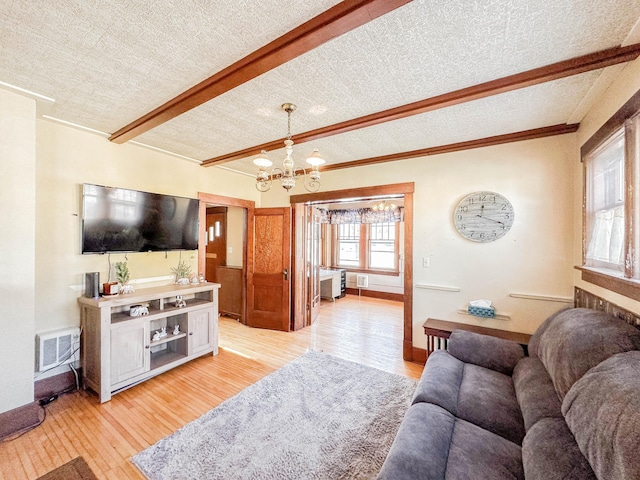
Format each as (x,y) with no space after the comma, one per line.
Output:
(318,417)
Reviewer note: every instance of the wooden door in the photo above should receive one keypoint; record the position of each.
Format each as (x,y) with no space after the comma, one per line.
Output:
(130,354)
(216,235)
(313,262)
(269,285)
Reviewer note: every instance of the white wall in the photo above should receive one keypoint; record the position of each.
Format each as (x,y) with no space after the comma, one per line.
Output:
(17,240)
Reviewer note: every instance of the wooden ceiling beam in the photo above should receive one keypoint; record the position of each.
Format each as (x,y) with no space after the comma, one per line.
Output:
(332,23)
(554,71)
(553,130)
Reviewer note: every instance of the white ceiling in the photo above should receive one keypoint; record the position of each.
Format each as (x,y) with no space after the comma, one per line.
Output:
(108,62)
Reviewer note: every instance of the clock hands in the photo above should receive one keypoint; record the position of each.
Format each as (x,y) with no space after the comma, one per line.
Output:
(490,219)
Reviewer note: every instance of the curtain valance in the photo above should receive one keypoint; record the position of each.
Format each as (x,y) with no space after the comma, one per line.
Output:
(361,215)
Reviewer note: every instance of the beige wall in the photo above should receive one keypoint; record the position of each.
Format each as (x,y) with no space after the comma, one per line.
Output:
(235,235)
(66,159)
(626,84)
(17,237)
(534,258)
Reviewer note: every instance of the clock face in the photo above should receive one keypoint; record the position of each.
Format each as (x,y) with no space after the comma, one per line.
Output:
(483,216)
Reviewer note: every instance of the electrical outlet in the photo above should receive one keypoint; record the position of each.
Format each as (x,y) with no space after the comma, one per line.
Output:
(426,262)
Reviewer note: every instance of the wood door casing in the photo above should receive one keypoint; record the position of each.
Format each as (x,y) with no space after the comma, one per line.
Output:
(299,290)
(269,278)
(314,260)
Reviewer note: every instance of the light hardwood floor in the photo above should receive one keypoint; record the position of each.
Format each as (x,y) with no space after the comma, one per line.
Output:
(363,330)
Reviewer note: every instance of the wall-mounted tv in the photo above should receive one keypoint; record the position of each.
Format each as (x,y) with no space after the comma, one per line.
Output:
(121,220)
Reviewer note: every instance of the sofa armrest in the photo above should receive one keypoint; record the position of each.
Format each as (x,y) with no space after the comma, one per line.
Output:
(485,351)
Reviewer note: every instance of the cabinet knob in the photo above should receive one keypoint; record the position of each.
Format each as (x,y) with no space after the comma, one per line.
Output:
(147,346)
(190,333)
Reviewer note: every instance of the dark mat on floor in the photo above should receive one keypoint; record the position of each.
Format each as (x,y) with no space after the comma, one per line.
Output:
(76,469)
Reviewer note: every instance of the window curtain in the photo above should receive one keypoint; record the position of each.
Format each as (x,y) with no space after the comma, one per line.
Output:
(607,237)
(361,215)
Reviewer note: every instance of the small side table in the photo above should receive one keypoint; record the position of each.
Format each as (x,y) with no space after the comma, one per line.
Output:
(439,331)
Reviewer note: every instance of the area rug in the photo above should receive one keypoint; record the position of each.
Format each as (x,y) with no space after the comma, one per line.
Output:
(318,417)
(76,469)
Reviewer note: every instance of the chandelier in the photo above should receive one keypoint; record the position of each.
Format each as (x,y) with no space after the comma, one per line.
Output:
(289,173)
(383,206)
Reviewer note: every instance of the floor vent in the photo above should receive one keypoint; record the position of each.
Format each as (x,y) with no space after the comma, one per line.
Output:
(57,347)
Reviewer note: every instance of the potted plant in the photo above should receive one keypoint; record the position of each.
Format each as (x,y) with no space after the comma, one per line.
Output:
(123,276)
(182,272)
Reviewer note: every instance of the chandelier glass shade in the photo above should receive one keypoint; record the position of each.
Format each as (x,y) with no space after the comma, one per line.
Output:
(384,206)
(289,173)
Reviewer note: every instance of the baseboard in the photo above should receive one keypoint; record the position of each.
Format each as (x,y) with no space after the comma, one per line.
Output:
(396,297)
(54,385)
(419,355)
(19,419)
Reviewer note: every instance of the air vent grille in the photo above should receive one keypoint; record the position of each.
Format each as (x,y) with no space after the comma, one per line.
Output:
(57,347)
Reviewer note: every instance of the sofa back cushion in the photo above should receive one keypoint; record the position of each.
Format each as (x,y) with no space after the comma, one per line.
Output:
(578,339)
(602,411)
(534,341)
(535,392)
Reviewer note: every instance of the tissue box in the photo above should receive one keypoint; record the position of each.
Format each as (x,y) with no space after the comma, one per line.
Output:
(486,312)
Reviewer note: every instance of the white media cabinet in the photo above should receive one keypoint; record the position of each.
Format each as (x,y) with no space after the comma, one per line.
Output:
(116,349)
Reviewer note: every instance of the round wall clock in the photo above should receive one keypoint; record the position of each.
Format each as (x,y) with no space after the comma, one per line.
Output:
(483,216)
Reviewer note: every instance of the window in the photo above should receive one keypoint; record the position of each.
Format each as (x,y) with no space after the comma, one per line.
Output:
(605,204)
(372,246)
(611,240)
(349,245)
(382,246)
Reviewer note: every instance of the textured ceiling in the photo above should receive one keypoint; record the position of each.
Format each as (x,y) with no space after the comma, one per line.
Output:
(107,63)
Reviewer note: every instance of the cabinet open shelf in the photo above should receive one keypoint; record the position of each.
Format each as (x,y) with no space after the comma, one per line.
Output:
(155,313)
(161,359)
(169,338)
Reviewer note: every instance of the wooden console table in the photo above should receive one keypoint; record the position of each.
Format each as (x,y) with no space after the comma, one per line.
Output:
(439,331)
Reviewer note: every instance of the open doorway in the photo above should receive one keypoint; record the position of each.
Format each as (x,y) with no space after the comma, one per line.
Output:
(224,258)
(222,252)
(303,281)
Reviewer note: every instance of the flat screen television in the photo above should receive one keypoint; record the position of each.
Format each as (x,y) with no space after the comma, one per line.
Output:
(121,220)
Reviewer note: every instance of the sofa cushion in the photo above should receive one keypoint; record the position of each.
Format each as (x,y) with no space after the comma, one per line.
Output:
(578,339)
(535,392)
(602,411)
(432,444)
(440,381)
(549,452)
(485,351)
(534,341)
(478,395)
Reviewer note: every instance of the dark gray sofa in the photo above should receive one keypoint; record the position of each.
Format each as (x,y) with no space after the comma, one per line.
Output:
(484,410)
